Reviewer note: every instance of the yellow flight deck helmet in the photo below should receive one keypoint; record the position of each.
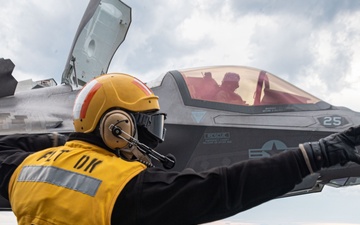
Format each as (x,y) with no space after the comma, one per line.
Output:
(115,90)
(124,111)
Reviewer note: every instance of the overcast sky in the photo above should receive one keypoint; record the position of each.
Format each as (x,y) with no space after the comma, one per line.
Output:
(312,43)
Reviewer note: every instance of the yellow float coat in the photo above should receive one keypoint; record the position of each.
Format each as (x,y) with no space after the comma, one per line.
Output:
(77,183)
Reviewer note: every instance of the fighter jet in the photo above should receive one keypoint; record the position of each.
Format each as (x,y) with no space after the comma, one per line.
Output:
(216,115)
(219,115)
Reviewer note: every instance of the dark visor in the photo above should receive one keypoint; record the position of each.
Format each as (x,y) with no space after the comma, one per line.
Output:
(154,123)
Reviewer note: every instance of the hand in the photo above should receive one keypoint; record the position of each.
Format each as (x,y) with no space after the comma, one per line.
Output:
(338,148)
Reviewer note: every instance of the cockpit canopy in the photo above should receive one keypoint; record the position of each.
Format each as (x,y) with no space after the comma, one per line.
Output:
(254,87)
(240,89)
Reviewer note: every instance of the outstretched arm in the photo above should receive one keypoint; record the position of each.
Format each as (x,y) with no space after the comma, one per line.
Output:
(192,198)
(30,142)
(162,197)
(15,148)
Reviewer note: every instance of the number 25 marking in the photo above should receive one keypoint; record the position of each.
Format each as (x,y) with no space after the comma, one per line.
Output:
(332,121)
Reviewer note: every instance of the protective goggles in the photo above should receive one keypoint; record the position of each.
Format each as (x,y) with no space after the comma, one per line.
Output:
(154,123)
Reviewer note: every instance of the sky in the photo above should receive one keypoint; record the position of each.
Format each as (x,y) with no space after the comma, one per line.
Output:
(313,44)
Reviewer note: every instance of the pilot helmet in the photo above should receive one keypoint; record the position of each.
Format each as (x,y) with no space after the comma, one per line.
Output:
(121,101)
(231,77)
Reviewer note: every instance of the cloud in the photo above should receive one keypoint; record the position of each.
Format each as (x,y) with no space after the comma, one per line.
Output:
(37,34)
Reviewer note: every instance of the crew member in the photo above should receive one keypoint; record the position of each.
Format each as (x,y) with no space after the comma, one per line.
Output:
(227,89)
(103,173)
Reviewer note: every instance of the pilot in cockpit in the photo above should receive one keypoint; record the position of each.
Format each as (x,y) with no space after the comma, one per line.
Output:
(227,89)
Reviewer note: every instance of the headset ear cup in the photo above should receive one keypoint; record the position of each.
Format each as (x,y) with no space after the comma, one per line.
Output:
(123,122)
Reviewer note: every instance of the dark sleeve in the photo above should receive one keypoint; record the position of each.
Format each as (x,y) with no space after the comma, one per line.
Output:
(161,197)
(14,149)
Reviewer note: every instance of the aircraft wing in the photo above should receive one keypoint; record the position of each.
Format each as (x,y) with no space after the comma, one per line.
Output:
(101,31)
(43,106)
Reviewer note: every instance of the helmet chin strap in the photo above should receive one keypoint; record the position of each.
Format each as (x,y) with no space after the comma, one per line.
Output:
(142,152)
